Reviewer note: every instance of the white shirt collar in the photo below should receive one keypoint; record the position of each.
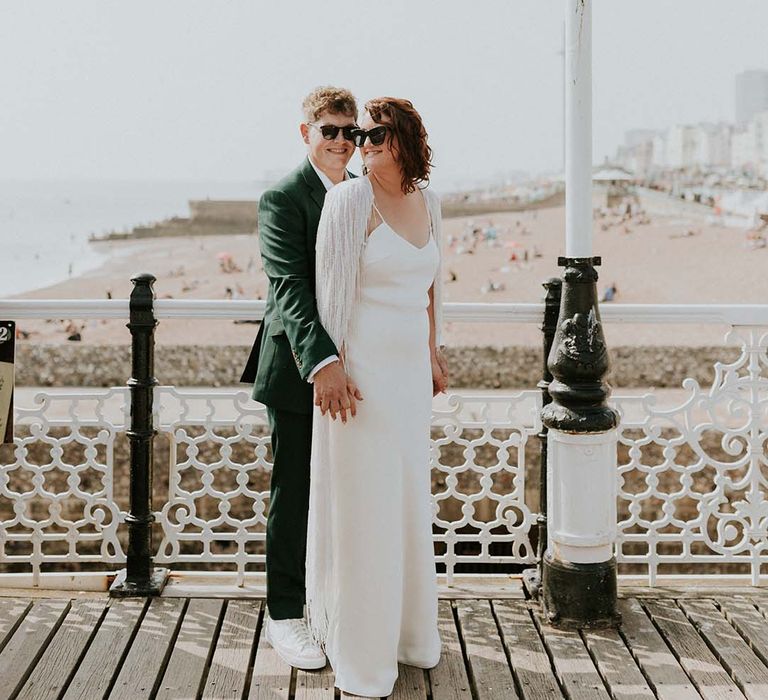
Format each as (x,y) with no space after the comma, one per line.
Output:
(323,177)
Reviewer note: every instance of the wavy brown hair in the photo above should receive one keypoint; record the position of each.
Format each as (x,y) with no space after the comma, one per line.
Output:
(412,150)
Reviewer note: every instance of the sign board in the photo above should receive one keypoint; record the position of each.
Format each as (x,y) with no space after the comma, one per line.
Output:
(7,354)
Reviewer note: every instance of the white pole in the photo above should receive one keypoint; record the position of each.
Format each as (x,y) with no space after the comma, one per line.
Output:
(579,583)
(578,129)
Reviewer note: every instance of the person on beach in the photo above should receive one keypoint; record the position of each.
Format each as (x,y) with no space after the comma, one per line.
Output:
(292,351)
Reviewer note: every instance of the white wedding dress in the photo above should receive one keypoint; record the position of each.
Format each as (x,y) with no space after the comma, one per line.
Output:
(381,592)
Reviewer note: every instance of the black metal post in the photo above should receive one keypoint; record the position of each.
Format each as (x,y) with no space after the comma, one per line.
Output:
(139,578)
(580,592)
(554,285)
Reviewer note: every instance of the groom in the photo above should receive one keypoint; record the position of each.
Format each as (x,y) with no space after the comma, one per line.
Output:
(291,352)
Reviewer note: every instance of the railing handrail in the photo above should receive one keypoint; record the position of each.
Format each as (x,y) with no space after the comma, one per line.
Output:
(464,312)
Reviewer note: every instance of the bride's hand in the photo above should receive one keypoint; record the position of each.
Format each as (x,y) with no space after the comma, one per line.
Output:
(354,394)
(352,391)
(439,373)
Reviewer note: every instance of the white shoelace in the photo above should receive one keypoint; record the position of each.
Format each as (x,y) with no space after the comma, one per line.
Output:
(300,628)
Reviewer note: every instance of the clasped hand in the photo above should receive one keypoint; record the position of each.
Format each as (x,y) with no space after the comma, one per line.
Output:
(336,392)
(439,372)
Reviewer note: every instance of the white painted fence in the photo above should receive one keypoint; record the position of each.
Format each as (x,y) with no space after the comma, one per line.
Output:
(699,501)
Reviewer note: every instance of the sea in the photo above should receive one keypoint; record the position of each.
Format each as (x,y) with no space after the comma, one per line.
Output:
(45,225)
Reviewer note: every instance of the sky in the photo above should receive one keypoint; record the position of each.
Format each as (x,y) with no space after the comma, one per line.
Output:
(211,89)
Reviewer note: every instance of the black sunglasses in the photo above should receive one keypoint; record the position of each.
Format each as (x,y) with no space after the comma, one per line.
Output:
(377,135)
(331,131)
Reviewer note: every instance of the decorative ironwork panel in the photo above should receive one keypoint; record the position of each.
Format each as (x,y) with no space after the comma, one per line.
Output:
(218,482)
(481,446)
(57,495)
(218,478)
(692,477)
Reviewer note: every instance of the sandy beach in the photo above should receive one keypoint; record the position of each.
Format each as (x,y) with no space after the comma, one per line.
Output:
(678,257)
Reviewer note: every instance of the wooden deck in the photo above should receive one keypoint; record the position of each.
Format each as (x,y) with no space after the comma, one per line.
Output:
(670,645)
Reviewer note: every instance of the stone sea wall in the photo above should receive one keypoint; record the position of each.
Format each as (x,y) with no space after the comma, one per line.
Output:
(75,365)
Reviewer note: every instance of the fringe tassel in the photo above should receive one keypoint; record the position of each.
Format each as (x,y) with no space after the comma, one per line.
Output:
(319,562)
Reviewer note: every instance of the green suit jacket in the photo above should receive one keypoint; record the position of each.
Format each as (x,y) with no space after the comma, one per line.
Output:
(291,340)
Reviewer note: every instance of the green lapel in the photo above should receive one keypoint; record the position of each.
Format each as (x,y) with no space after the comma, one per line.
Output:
(315,185)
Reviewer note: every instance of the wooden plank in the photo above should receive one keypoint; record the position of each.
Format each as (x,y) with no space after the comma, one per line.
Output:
(229,668)
(693,587)
(729,648)
(478,586)
(149,651)
(220,584)
(315,685)
(748,621)
(410,684)
(490,672)
(27,644)
(709,677)
(573,666)
(271,677)
(616,665)
(61,656)
(102,659)
(192,650)
(11,614)
(449,678)
(349,696)
(658,664)
(530,663)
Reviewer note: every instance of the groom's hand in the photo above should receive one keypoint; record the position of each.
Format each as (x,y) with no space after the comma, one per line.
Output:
(333,393)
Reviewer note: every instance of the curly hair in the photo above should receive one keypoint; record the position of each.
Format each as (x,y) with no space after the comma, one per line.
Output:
(412,150)
(329,99)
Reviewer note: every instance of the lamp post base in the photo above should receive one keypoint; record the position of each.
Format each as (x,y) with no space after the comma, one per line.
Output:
(579,595)
(122,588)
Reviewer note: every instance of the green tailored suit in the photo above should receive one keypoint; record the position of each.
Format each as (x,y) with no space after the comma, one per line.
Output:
(290,343)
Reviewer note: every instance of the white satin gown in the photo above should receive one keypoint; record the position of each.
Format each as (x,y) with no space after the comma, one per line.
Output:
(383,576)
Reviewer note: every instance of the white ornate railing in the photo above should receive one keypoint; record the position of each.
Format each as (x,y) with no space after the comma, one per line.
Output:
(692,476)
(701,499)
(62,509)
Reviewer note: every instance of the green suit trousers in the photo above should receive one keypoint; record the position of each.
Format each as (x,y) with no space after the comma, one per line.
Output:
(288,512)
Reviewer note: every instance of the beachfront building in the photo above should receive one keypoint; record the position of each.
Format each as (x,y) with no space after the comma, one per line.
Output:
(750,145)
(751,91)
(713,145)
(638,151)
(681,146)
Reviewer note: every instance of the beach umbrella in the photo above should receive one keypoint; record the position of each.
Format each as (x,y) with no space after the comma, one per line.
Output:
(513,244)
(223,256)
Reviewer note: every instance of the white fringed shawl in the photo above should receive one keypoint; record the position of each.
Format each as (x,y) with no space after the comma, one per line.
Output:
(341,238)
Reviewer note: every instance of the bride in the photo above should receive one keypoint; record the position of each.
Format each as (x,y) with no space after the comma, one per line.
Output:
(371,585)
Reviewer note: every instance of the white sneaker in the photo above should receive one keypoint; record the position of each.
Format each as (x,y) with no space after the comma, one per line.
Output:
(293,642)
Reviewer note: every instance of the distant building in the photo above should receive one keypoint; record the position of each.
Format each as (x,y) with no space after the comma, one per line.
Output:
(750,145)
(706,145)
(681,146)
(713,145)
(638,137)
(751,95)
